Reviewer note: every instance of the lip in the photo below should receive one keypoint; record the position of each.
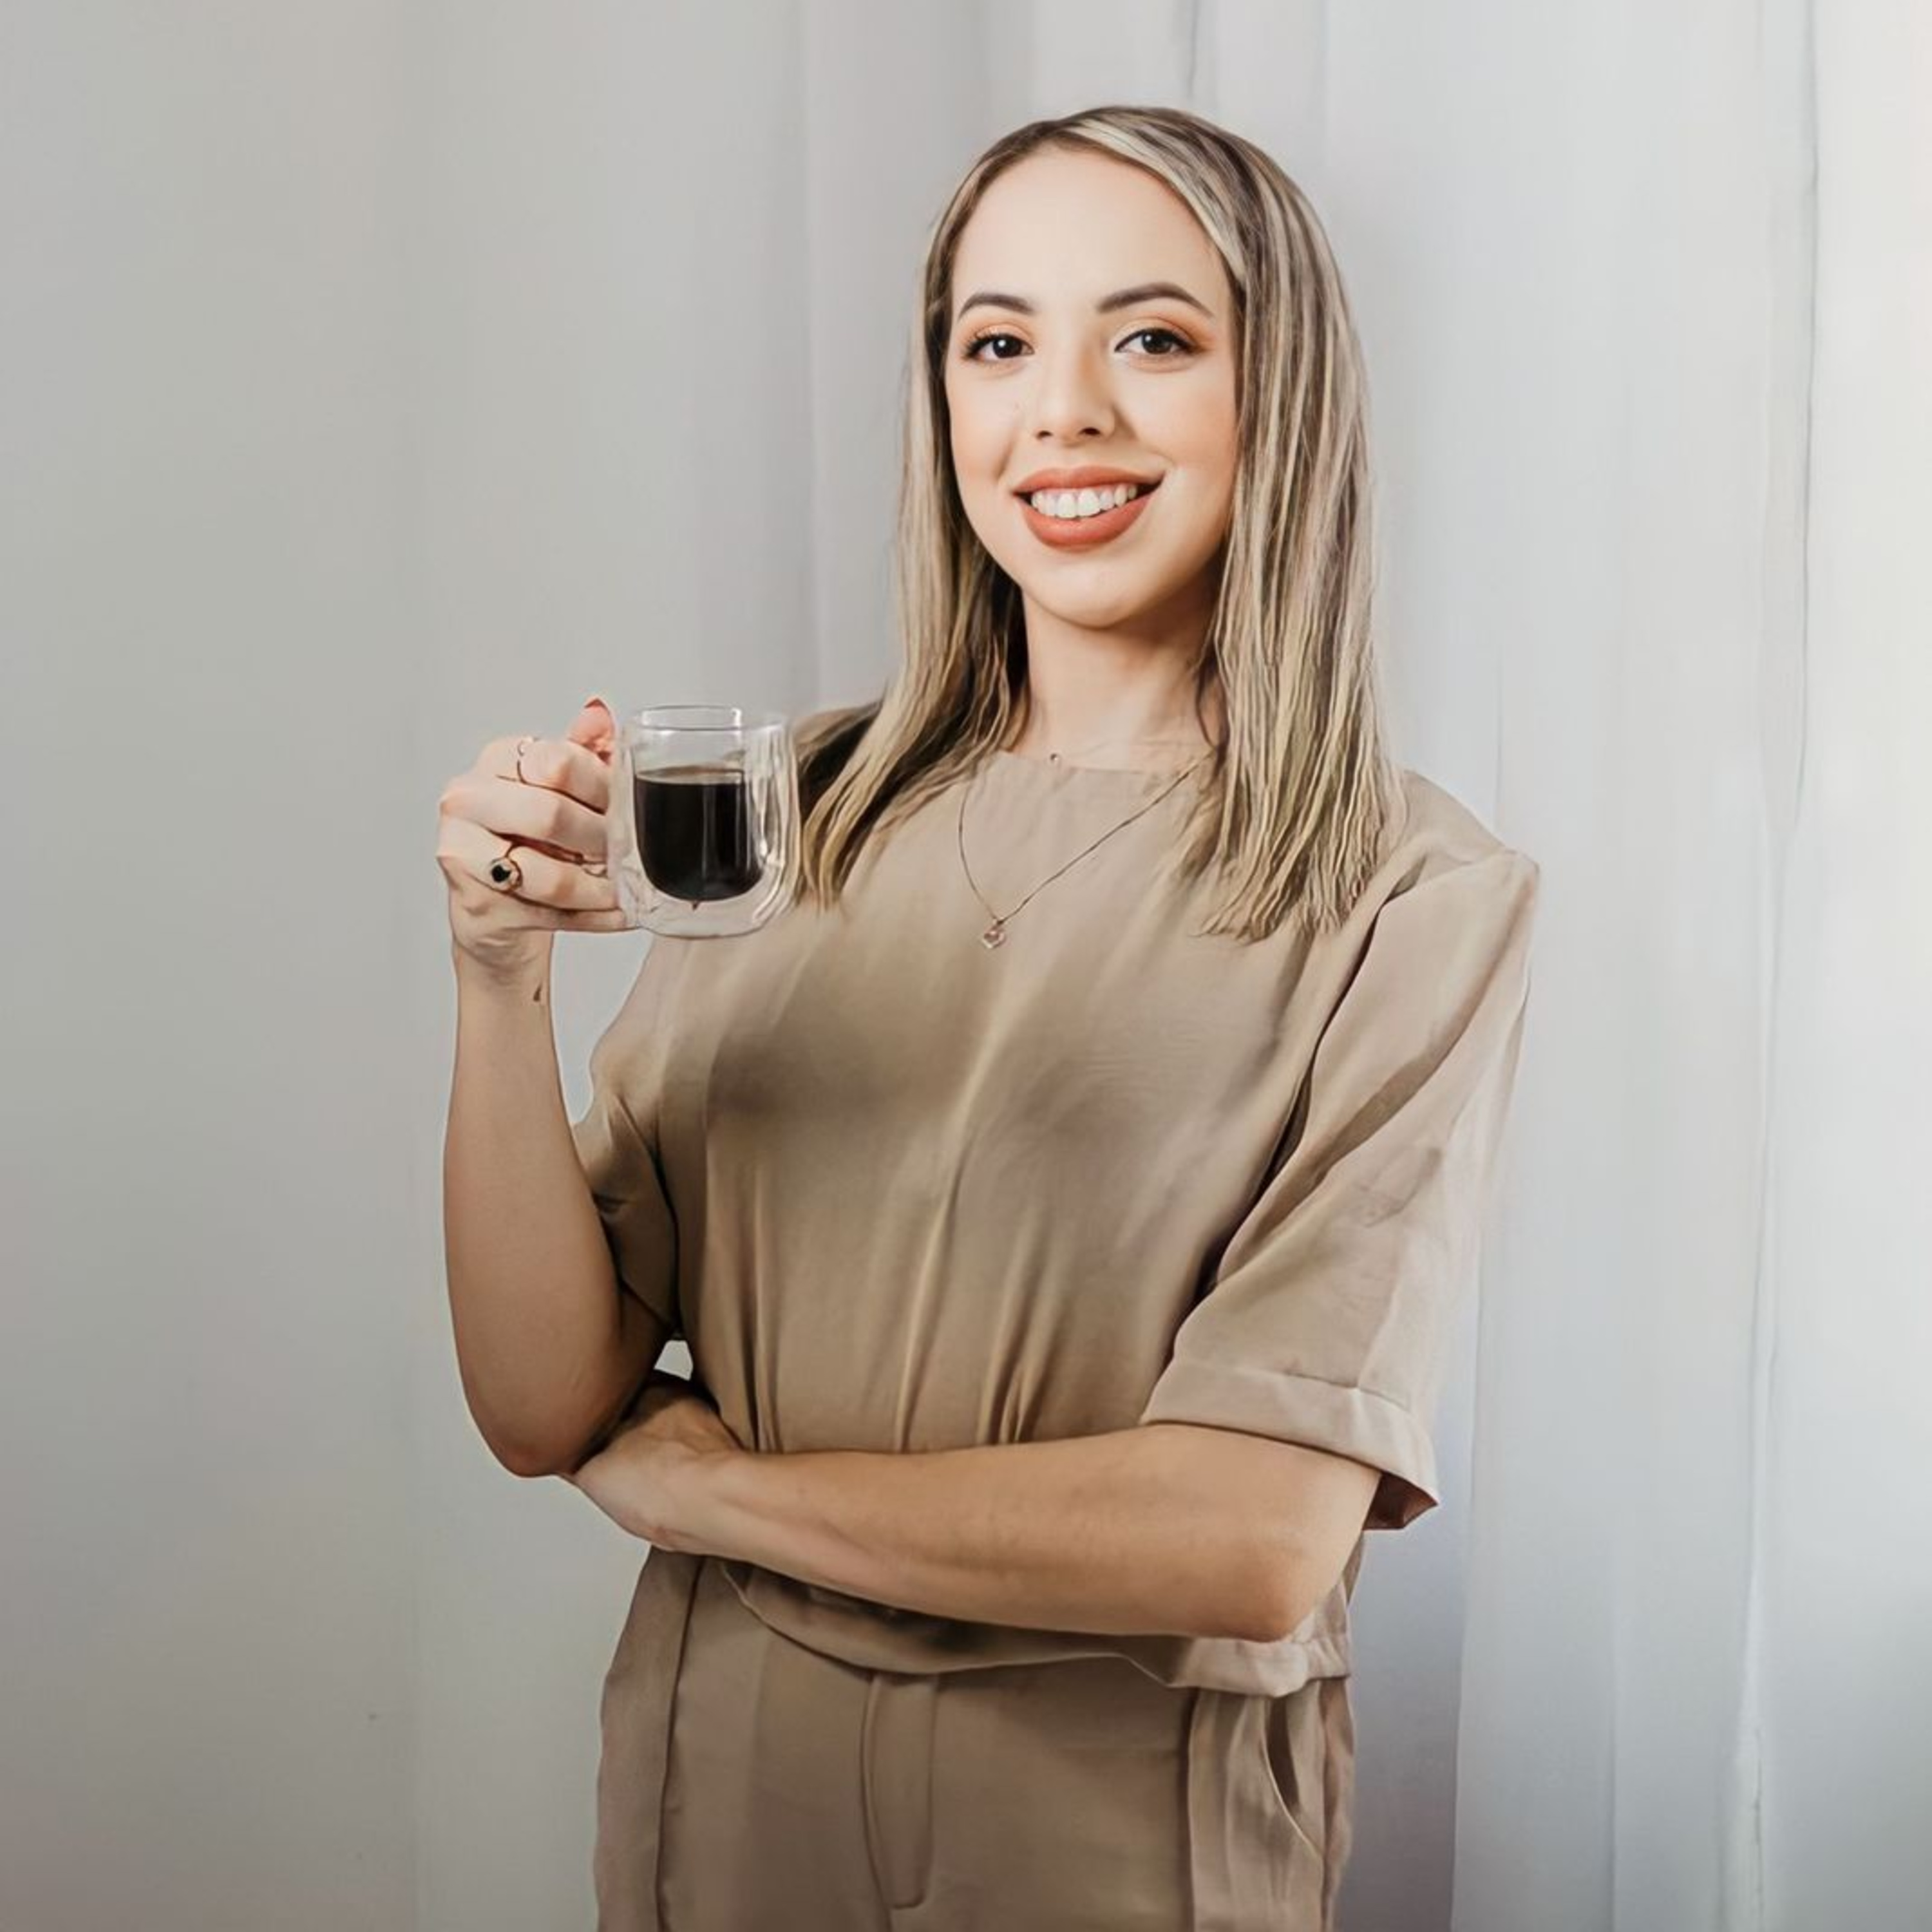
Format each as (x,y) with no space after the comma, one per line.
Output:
(1085,533)
(1088,476)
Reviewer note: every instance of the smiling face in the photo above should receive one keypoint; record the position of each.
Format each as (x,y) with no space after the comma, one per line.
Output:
(1074,345)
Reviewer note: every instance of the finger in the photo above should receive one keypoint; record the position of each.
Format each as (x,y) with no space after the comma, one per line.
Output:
(532,811)
(558,885)
(552,764)
(595,867)
(595,727)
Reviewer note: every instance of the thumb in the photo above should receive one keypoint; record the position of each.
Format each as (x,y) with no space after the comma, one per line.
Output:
(595,727)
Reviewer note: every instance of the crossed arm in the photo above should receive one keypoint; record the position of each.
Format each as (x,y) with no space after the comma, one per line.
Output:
(1166,1528)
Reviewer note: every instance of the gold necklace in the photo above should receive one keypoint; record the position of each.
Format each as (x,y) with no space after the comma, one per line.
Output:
(995,935)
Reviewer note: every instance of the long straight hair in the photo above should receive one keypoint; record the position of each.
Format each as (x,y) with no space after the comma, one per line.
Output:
(1299,796)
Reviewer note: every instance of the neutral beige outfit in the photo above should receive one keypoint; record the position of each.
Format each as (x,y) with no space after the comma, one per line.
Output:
(901,1192)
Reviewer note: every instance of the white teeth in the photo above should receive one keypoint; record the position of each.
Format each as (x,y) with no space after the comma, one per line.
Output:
(1075,503)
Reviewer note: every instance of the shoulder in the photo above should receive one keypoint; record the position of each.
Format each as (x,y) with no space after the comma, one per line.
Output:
(1447,915)
(1443,871)
(1439,835)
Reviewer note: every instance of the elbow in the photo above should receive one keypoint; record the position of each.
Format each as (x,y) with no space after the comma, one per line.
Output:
(523,1457)
(1289,1588)
(1303,1559)
(565,1458)
(551,1459)
(520,1458)
(1254,1604)
(1277,1615)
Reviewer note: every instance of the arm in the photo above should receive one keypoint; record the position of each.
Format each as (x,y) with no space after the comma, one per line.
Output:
(1161,1529)
(548,1347)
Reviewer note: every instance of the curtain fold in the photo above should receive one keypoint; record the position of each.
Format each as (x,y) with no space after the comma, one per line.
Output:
(1647,301)
(1647,305)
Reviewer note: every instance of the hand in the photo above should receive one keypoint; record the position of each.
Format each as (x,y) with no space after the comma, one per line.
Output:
(555,812)
(645,1476)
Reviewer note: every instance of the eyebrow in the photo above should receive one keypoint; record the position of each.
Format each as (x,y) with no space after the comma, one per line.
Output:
(1131,297)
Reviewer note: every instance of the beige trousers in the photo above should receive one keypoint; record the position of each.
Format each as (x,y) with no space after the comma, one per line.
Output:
(750,1784)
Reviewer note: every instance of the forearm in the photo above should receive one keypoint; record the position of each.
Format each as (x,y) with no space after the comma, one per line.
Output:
(1114,1533)
(533,1293)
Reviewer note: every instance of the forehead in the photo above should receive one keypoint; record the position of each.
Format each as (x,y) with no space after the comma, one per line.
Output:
(1066,227)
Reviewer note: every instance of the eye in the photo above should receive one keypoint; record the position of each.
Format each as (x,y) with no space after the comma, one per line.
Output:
(971,351)
(1181,346)
(1168,334)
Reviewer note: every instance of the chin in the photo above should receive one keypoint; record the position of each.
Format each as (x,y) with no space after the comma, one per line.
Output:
(1100,606)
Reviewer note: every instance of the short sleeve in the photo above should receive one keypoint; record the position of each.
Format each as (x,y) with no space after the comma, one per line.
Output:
(617,1147)
(1326,1319)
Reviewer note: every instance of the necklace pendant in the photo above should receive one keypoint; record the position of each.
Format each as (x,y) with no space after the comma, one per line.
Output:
(995,935)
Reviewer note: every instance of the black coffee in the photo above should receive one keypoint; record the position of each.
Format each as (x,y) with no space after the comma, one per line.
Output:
(695,833)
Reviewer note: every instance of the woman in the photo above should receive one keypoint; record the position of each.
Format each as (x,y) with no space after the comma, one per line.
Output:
(1066,1199)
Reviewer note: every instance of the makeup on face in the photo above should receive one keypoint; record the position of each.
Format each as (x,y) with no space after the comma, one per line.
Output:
(1083,531)
(1083,384)
(1077,509)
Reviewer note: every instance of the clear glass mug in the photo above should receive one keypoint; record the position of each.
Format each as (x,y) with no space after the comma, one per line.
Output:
(702,831)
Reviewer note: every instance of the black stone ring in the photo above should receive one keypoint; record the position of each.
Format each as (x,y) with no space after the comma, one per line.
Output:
(505,874)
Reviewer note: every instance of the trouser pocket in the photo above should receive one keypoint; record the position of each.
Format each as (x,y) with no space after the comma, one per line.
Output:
(896,1777)
(1291,1740)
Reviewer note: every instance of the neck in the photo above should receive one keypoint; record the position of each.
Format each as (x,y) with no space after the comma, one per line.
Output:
(1128,691)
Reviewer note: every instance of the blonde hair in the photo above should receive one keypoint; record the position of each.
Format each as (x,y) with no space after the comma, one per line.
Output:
(1300,793)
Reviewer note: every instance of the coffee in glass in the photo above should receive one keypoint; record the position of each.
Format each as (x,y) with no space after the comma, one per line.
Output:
(702,833)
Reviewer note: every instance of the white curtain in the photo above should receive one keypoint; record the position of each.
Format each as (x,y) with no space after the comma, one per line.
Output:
(380,377)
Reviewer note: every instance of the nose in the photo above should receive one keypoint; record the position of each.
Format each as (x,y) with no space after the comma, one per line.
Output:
(1072,397)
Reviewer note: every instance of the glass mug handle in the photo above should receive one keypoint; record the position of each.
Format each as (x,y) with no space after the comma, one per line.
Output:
(701,833)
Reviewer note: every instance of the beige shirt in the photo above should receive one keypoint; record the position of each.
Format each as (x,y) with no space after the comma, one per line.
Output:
(901,1192)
